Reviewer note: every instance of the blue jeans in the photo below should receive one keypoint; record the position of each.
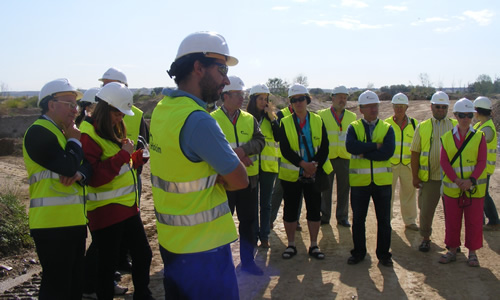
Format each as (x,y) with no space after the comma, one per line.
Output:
(202,275)
(360,201)
(265,187)
(490,210)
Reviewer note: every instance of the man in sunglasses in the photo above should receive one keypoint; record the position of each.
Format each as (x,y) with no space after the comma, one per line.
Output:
(192,166)
(425,164)
(243,134)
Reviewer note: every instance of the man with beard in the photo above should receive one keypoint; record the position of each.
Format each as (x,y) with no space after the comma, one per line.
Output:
(192,166)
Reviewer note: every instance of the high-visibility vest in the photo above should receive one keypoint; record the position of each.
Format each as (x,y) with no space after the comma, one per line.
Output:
(268,158)
(286,112)
(402,152)
(123,188)
(192,213)
(336,133)
(238,134)
(425,132)
(288,171)
(133,124)
(363,171)
(52,204)
(464,165)
(491,158)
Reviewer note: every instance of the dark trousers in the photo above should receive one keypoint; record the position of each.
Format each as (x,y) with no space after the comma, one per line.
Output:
(108,242)
(202,275)
(292,193)
(360,200)
(490,210)
(246,203)
(341,172)
(265,188)
(62,266)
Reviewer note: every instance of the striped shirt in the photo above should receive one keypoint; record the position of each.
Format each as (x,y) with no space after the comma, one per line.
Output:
(439,127)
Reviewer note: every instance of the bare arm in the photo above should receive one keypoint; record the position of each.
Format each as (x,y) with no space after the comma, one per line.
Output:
(415,165)
(236,180)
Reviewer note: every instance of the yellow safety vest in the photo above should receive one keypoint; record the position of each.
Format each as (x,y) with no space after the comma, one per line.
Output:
(192,213)
(464,165)
(402,152)
(133,124)
(363,171)
(238,134)
(52,204)
(288,171)
(268,158)
(336,135)
(425,132)
(492,146)
(122,189)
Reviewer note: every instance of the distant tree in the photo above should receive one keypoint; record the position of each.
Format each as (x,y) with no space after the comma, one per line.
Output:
(278,86)
(157,90)
(4,88)
(370,86)
(425,80)
(483,85)
(301,79)
(316,91)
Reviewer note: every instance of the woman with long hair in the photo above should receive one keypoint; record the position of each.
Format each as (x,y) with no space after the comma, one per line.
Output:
(263,111)
(112,209)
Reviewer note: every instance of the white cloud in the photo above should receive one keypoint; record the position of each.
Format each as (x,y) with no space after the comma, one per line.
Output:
(482,17)
(429,20)
(346,23)
(281,8)
(395,8)
(354,3)
(448,29)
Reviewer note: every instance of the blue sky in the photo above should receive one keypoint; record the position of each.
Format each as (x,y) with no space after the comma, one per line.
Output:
(340,42)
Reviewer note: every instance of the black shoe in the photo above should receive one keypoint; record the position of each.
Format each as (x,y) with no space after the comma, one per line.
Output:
(387,262)
(125,267)
(354,260)
(252,268)
(344,223)
(425,246)
(118,276)
(324,222)
(299,228)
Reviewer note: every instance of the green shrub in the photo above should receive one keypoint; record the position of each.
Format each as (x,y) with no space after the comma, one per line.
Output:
(14,228)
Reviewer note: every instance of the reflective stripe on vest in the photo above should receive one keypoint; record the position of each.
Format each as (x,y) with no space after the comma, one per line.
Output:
(491,157)
(190,206)
(403,139)
(288,171)
(336,137)
(239,133)
(52,204)
(464,165)
(362,171)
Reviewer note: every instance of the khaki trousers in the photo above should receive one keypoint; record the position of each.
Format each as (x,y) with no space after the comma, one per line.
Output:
(428,199)
(407,193)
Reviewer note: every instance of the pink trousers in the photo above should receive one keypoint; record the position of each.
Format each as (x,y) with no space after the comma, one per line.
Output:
(473,222)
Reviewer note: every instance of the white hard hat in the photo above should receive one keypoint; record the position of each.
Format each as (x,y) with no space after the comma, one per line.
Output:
(400,98)
(464,105)
(89,95)
(117,95)
(368,97)
(340,90)
(114,74)
(297,89)
(482,102)
(57,86)
(440,97)
(235,84)
(259,89)
(206,42)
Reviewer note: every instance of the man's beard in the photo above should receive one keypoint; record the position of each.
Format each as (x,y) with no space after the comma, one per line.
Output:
(209,89)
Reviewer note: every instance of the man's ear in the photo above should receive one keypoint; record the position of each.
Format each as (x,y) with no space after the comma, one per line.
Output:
(198,68)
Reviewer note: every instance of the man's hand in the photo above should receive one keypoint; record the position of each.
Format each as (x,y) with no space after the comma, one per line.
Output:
(71,131)
(243,157)
(417,182)
(309,168)
(67,181)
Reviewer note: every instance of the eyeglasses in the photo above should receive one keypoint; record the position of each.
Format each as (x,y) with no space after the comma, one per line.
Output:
(223,69)
(298,99)
(440,106)
(465,115)
(70,104)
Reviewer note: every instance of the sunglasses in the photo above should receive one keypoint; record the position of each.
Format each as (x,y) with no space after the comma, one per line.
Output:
(298,99)
(465,115)
(441,106)
(223,69)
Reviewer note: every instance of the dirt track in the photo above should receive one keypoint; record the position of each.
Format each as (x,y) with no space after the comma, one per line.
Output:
(415,275)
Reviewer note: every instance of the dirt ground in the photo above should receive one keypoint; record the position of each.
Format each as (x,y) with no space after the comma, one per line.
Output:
(415,275)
